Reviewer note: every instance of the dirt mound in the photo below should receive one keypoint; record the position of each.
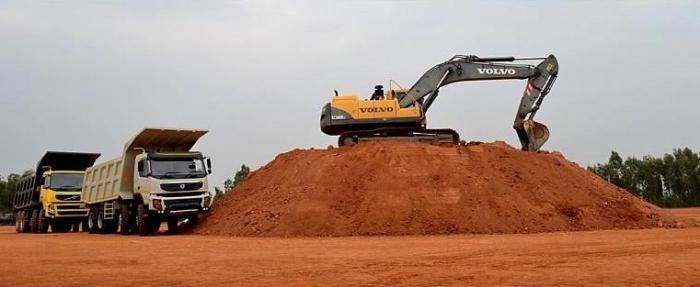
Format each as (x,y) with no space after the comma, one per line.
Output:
(398,188)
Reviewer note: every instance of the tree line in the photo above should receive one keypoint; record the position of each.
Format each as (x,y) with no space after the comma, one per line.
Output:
(672,180)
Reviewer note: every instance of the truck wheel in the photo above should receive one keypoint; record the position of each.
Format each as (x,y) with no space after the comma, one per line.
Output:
(18,227)
(92,220)
(142,220)
(20,215)
(124,218)
(26,218)
(21,221)
(42,226)
(172,225)
(34,221)
(101,222)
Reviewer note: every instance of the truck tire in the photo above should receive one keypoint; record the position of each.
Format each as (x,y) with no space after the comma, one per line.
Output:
(20,216)
(17,221)
(92,220)
(124,218)
(101,222)
(172,225)
(21,221)
(25,221)
(34,221)
(41,224)
(142,220)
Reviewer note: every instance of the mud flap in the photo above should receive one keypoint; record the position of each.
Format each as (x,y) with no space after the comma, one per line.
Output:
(532,135)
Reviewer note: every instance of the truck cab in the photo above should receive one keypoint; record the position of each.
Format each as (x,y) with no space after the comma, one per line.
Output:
(60,194)
(173,184)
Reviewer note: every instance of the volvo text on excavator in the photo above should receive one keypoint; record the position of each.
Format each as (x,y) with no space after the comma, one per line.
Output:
(400,114)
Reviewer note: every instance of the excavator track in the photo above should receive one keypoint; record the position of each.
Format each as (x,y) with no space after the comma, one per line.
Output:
(434,136)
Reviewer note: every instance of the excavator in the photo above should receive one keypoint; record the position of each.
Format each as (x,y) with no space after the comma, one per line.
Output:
(400,114)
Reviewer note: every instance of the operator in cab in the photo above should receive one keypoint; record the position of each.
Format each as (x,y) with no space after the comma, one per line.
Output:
(378,93)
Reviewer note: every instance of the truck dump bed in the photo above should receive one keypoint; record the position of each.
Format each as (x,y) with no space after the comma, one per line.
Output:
(114,178)
(27,190)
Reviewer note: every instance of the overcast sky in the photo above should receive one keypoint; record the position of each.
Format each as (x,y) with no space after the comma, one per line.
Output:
(87,76)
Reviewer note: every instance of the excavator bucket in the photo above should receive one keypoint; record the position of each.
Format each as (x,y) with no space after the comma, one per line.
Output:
(532,135)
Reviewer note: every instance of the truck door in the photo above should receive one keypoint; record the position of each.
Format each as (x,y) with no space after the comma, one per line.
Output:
(142,171)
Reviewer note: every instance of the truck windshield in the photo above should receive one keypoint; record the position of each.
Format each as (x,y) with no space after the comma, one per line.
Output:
(66,182)
(177,168)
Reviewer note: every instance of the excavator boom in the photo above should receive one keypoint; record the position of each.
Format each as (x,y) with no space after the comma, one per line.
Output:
(540,78)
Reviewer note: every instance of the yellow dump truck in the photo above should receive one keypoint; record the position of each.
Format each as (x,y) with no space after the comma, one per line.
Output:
(51,196)
(157,178)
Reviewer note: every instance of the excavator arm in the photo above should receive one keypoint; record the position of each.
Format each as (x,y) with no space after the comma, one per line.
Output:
(540,79)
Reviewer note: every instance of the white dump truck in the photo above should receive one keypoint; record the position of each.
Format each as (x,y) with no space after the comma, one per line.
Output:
(157,178)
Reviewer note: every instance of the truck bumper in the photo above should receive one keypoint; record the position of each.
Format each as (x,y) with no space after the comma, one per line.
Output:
(181,206)
(63,210)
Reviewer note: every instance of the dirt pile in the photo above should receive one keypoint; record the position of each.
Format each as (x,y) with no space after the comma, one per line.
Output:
(398,188)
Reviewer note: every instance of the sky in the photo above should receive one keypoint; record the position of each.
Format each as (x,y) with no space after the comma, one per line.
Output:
(87,76)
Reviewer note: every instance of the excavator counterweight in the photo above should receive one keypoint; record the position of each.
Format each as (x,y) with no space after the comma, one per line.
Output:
(400,114)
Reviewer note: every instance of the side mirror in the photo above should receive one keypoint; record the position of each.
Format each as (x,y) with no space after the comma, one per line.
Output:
(209,165)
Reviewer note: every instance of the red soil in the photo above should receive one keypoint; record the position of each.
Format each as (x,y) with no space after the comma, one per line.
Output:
(399,188)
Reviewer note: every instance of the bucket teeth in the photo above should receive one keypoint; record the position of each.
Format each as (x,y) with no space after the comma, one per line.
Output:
(533,135)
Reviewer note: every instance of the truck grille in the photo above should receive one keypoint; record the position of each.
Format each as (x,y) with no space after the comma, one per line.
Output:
(72,213)
(69,206)
(67,197)
(181,186)
(182,204)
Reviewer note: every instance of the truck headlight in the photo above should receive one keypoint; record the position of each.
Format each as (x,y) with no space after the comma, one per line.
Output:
(158,204)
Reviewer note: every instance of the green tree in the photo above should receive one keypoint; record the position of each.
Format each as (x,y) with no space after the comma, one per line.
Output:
(238,178)
(672,180)
(240,175)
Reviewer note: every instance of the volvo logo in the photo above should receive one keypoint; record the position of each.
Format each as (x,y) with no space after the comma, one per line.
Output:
(377,110)
(496,71)
(182,186)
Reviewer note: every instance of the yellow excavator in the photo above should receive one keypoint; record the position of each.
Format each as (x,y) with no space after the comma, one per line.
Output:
(400,114)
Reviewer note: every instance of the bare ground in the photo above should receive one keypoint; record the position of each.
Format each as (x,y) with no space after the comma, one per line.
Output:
(623,257)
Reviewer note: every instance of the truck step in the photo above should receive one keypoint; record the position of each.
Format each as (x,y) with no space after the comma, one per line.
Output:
(108,210)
